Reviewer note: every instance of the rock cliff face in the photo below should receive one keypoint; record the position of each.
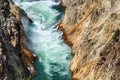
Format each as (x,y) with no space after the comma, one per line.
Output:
(92,29)
(16,62)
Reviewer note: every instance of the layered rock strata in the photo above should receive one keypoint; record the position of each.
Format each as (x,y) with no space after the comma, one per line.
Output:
(92,29)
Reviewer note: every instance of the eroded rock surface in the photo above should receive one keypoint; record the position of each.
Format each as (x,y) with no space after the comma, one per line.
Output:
(16,62)
(92,29)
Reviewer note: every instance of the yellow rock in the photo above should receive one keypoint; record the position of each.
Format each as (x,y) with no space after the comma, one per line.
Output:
(93,28)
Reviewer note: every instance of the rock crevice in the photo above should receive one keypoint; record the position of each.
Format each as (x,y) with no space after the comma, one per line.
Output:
(92,26)
(16,62)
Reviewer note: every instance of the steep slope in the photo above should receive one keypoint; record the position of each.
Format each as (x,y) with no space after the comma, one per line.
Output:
(53,55)
(15,60)
(92,29)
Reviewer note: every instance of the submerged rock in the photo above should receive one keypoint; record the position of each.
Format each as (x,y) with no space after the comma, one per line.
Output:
(92,29)
(16,62)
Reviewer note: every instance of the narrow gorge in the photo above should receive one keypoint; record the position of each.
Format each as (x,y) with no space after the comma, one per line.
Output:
(59,39)
(53,55)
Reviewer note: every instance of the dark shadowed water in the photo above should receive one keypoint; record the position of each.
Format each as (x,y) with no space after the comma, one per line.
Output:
(53,54)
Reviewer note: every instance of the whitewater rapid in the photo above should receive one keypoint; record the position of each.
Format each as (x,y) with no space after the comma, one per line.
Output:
(53,54)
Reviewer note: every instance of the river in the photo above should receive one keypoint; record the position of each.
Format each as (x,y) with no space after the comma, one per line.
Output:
(54,55)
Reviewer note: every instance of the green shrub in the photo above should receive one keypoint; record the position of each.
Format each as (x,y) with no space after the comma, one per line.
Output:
(116,35)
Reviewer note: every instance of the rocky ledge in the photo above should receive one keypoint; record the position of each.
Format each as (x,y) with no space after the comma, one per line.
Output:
(16,62)
(92,29)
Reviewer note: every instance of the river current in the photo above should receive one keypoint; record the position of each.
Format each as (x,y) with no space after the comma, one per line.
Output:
(54,55)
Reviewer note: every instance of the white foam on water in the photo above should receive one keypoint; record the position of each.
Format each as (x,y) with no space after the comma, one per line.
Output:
(46,40)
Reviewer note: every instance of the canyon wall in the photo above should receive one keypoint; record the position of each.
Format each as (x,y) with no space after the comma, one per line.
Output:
(92,29)
(16,62)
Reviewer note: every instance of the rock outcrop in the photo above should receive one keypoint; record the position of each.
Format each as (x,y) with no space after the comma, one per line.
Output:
(16,62)
(92,29)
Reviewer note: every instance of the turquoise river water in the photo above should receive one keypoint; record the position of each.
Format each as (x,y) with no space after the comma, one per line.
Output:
(54,55)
